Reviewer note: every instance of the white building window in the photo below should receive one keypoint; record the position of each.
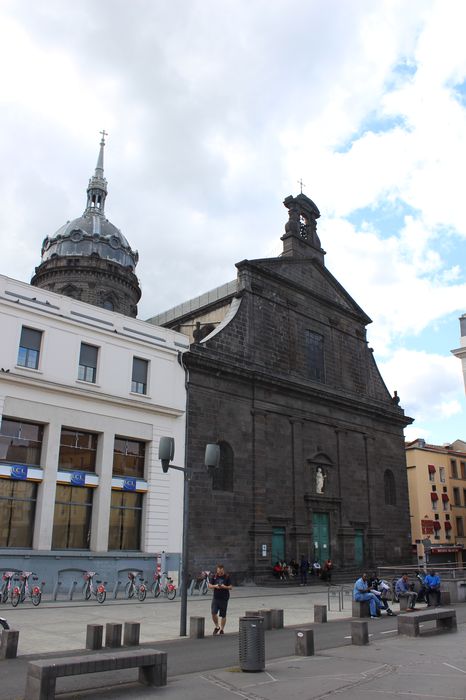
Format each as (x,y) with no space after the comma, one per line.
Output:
(139,376)
(87,371)
(29,348)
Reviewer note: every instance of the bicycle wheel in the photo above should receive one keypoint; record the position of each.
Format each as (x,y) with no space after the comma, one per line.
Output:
(204,587)
(15,598)
(142,593)
(86,591)
(171,593)
(156,589)
(101,595)
(129,589)
(36,597)
(4,594)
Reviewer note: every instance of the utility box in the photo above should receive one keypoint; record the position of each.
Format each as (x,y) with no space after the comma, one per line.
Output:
(251,644)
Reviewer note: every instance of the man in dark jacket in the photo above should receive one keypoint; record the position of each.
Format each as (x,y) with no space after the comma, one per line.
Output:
(221,585)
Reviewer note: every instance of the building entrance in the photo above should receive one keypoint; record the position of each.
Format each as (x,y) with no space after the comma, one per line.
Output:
(321,536)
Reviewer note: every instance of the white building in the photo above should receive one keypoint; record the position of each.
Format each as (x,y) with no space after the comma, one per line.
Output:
(85,394)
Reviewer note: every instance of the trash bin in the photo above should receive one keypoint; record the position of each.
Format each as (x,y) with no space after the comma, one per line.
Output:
(251,644)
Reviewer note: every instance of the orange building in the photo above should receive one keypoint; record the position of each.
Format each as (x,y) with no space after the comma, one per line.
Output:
(437,501)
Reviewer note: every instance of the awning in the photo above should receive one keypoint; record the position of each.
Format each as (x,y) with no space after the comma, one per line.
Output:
(434,496)
(445,498)
(431,468)
(447,525)
(437,525)
(445,550)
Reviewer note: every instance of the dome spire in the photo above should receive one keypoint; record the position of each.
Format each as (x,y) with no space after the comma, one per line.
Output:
(97,187)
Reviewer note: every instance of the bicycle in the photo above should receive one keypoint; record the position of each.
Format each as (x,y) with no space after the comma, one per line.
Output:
(89,588)
(200,583)
(163,584)
(23,591)
(132,588)
(5,590)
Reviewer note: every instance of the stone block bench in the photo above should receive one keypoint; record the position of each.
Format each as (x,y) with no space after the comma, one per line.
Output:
(43,673)
(360,608)
(409,623)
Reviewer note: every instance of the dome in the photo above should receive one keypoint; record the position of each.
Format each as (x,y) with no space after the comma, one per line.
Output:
(90,234)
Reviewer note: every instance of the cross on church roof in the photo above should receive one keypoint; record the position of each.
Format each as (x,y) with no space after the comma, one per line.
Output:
(301,184)
(105,133)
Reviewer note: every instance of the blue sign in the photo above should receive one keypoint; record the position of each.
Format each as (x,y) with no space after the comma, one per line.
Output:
(78,478)
(19,471)
(129,485)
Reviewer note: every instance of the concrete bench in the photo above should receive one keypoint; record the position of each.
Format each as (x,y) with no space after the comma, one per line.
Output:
(360,608)
(444,617)
(43,673)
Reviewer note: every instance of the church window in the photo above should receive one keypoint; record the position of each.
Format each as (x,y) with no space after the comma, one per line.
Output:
(139,376)
(390,488)
(315,355)
(223,475)
(29,348)
(108,304)
(87,371)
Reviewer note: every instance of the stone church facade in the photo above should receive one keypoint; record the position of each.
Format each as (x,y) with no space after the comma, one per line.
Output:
(280,375)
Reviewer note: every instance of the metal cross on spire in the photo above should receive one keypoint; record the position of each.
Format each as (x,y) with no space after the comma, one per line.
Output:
(301,184)
(104,134)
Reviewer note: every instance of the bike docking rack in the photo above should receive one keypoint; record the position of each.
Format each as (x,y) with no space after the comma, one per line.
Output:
(122,580)
(199,585)
(339,598)
(67,582)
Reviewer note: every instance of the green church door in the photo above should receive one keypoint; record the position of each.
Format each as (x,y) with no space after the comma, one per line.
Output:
(278,544)
(358,547)
(321,535)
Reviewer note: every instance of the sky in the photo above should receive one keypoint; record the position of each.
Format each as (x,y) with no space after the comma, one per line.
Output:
(215,109)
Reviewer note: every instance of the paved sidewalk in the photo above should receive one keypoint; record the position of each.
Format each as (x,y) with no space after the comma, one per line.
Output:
(432,666)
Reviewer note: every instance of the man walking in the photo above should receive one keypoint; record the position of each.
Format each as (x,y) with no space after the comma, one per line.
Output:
(221,585)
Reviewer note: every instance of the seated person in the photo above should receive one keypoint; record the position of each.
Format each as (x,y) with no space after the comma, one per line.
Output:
(403,588)
(362,591)
(382,590)
(432,586)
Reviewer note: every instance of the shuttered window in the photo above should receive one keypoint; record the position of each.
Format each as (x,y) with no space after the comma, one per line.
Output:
(87,371)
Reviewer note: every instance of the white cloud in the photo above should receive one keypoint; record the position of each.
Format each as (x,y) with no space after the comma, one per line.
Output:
(215,110)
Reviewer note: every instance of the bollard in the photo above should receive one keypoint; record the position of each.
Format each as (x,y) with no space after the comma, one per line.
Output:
(277,619)
(113,635)
(304,643)
(115,589)
(445,598)
(9,644)
(359,632)
(131,634)
(196,627)
(55,589)
(94,636)
(320,613)
(71,590)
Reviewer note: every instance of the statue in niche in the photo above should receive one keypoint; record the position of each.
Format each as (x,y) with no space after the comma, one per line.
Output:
(320,480)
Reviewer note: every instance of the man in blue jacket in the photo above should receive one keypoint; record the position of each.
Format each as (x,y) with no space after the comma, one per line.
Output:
(362,591)
(432,584)
(402,588)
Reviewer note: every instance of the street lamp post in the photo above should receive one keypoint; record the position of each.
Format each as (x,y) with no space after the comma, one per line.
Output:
(211,459)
